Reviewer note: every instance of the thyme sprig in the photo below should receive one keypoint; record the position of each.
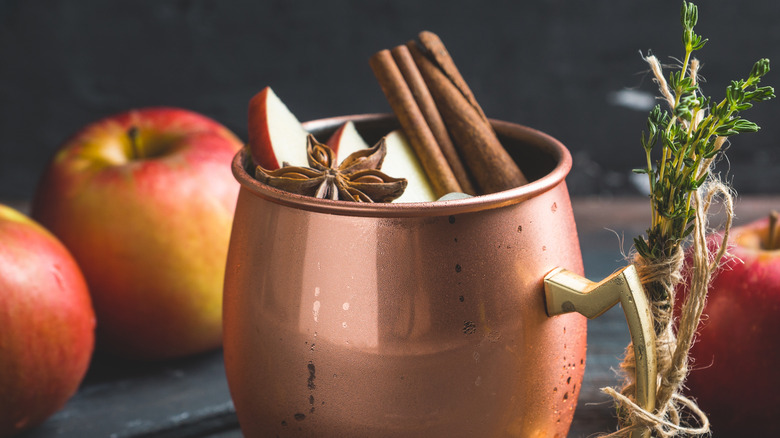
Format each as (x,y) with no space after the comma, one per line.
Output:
(691,133)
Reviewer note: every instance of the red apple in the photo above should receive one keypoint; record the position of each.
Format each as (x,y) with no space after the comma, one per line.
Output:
(734,375)
(47,325)
(275,134)
(145,200)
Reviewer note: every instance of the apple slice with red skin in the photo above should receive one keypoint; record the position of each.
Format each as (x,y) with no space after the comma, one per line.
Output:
(275,134)
(401,162)
(345,141)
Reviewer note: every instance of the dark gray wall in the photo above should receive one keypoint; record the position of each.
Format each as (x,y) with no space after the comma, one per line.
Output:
(555,65)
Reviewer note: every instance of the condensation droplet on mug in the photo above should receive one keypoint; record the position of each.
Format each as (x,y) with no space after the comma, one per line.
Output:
(299,416)
(316,291)
(519,228)
(458,268)
(554,207)
(345,306)
(568,381)
(544,248)
(452,219)
(344,324)
(478,382)
(316,310)
(566,397)
(555,389)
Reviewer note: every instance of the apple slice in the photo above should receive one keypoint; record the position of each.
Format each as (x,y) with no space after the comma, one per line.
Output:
(402,162)
(345,141)
(275,134)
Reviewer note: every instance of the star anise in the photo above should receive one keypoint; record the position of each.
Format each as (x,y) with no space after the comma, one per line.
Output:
(357,178)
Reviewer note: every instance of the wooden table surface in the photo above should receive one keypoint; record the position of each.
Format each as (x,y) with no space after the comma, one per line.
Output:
(190,398)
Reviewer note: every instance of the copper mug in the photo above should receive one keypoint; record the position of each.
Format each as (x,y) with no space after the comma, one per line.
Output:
(415,320)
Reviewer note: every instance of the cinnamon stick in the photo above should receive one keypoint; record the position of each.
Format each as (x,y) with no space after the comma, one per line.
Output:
(490,164)
(412,121)
(432,44)
(422,96)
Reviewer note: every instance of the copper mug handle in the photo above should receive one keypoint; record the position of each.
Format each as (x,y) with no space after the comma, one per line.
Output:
(567,292)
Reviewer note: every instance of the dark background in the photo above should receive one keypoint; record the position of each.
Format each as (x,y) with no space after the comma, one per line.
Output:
(560,66)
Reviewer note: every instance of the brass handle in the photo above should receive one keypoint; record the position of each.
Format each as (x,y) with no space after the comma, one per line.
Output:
(567,292)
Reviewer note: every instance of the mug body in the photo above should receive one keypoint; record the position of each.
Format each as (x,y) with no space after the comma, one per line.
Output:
(404,320)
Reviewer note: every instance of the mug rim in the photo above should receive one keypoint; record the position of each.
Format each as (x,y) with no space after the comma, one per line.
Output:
(548,144)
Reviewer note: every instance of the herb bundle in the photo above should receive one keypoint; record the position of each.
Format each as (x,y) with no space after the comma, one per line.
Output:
(691,133)
(686,139)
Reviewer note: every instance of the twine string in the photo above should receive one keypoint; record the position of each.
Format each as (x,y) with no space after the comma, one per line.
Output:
(673,342)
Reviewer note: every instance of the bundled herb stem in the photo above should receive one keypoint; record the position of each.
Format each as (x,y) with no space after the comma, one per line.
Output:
(680,144)
(690,133)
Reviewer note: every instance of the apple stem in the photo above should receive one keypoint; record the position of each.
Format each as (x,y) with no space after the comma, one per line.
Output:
(772,238)
(132,134)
